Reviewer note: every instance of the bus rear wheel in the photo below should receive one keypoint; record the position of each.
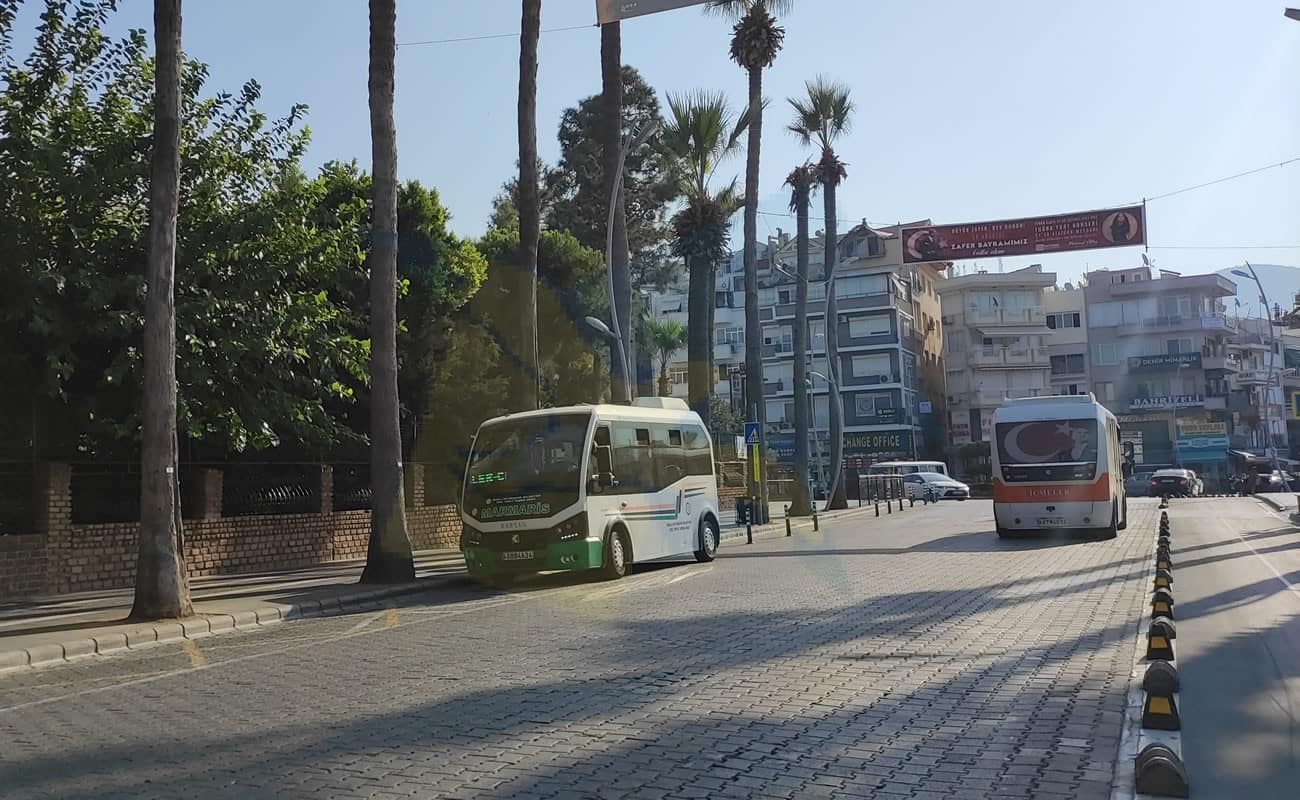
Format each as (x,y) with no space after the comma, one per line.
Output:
(708,541)
(1112,531)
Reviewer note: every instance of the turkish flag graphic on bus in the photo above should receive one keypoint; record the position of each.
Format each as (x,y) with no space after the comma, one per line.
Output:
(1056,441)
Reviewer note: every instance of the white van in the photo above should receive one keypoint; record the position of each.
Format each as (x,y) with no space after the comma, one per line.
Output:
(1057,464)
(907,467)
(589,487)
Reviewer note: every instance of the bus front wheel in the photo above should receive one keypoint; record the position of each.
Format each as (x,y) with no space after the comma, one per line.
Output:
(617,556)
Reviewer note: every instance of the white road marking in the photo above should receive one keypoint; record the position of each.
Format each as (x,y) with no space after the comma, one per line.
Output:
(1267,563)
(691,574)
(365,622)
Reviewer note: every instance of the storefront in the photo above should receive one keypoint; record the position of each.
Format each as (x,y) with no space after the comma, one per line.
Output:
(1202,445)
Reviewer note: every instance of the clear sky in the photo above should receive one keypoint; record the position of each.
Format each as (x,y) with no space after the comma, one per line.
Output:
(965,110)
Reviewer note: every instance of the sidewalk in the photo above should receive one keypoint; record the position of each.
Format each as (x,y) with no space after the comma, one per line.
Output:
(1280,501)
(48,630)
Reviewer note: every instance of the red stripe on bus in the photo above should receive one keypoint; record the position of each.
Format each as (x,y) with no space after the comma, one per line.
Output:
(1052,493)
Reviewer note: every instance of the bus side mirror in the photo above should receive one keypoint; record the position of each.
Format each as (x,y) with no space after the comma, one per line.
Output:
(604,476)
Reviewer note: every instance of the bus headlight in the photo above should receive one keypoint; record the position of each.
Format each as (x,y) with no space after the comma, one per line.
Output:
(470,536)
(572,528)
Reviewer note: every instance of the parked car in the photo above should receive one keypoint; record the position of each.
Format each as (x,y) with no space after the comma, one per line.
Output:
(1174,483)
(1137,484)
(919,485)
(1273,482)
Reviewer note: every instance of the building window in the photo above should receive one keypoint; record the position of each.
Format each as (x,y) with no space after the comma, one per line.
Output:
(1066,320)
(677,376)
(1067,365)
(871,366)
(1105,391)
(866,406)
(1176,346)
(1105,355)
(861,286)
(860,327)
(783,297)
(734,335)
(955,341)
(875,246)
(722,300)
(724,372)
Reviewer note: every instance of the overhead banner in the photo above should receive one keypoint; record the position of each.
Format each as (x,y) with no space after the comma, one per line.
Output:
(1086,230)
(615,10)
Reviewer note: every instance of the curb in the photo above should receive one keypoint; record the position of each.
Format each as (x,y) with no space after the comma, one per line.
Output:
(152,635)
(1270,502)
(778,527)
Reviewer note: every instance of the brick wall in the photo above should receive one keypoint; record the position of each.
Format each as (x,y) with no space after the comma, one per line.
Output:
(60,557)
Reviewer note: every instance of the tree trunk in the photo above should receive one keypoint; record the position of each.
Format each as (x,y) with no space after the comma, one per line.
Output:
(161,585)
(711,290)
(388,555)
(836,498)
(524,389)
(611,75)
(757,411)
(800,503)
(697,336)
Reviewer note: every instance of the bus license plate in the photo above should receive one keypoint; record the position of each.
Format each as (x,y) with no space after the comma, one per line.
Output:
(1056,522)
(517,555)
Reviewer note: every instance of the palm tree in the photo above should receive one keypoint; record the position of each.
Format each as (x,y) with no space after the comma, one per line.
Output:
(821,118)
(801,182)
(524,389)
(755,41)
(663,338)
(701,133)
(388,554)
(161,584)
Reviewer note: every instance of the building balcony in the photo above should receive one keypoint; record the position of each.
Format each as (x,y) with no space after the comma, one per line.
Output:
(1255,377)
(1178,322)
(1008,358)
(728,315)
(817,307)
(728,351)
(1223,363)
(999,317)
(1216,403)
(1213,284)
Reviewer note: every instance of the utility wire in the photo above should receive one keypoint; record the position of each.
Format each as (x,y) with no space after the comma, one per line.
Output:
(489,36)
(1225,179)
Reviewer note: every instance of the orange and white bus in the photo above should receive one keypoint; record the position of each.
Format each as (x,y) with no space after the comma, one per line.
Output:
(1057,465)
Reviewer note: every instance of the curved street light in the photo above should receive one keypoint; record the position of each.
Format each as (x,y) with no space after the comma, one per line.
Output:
(837,411)
(1272,366)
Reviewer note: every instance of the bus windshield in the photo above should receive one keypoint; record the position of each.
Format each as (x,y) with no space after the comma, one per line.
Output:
(527,467)
(1058,449)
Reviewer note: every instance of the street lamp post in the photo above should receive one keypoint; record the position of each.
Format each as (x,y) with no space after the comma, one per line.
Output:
(614,329)
(1272,366)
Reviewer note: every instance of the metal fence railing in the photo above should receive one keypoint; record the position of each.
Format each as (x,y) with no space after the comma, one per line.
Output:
(17,499)
(249,489)
(352,490)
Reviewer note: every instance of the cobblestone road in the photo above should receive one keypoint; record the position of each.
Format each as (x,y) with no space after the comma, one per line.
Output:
(912,657)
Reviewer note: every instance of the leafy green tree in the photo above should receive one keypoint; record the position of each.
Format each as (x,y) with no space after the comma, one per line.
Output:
(701,133)
(577,183)
(265,344)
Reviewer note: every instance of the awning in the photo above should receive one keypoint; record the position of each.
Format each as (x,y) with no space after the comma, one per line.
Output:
(1250,458)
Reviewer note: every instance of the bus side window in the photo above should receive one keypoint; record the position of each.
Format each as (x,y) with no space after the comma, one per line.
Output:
(670,460)
(699,456)
(633,459)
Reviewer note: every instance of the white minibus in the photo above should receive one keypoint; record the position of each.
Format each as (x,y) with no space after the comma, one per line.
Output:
(1057,464)
(907,467)
(589,487)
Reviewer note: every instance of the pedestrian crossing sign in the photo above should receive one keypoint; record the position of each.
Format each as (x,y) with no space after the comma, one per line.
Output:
(751,434)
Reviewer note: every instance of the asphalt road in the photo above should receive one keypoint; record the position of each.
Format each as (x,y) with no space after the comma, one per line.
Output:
(1237,587)
(913,656)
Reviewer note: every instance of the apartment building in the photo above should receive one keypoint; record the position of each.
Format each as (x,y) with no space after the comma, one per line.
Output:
(1257,390)
(995,344)
(888,336)
(1066,340)
(728,330)
(1163,358)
